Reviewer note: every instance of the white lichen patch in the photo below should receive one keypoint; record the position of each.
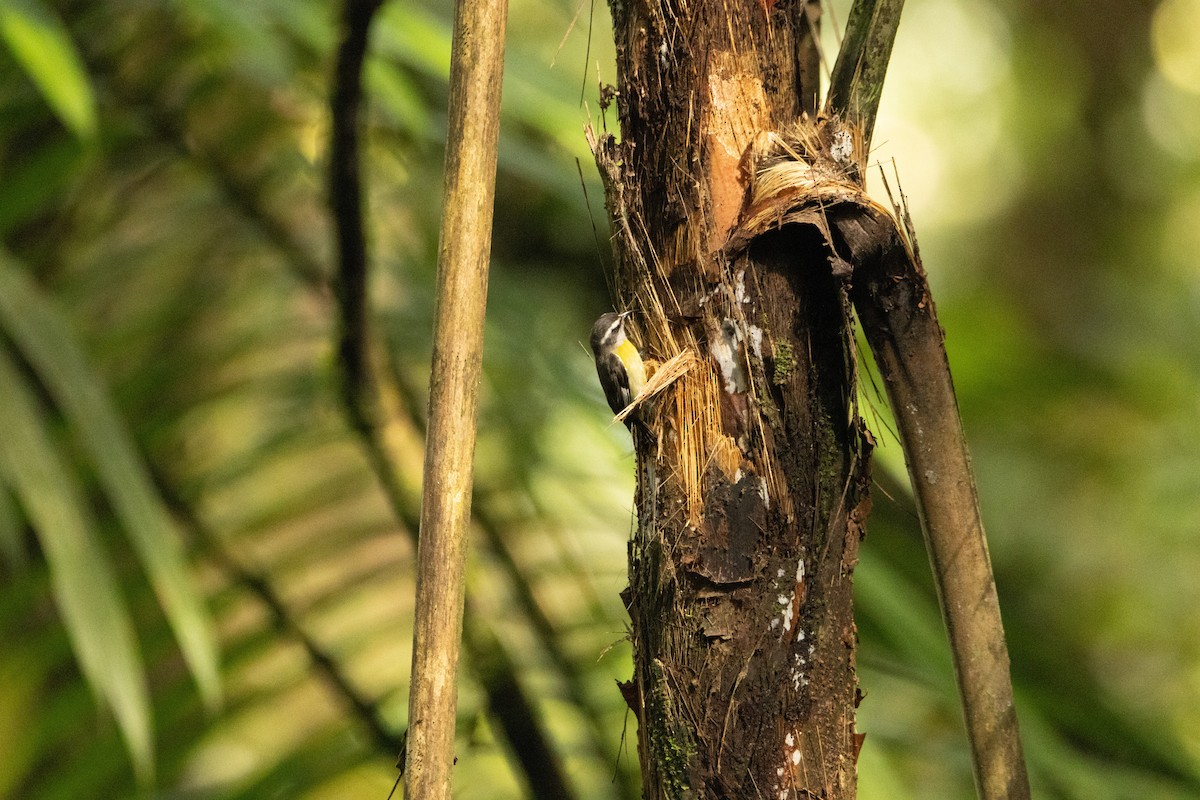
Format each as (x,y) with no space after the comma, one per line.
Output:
(842,149)
(786,614)
(789,604)
(789,771)
(797,675)
(739,287)
(726,350)
(755,335)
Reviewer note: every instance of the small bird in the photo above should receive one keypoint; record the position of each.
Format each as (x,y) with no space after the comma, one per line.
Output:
(618,362)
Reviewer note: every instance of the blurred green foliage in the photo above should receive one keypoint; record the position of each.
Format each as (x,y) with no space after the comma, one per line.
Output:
(172,432)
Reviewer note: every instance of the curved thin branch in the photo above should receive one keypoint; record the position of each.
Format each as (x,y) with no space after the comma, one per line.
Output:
(894,304)
(892,298)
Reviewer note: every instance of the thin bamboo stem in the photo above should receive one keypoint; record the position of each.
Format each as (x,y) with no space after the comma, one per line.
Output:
(476,72)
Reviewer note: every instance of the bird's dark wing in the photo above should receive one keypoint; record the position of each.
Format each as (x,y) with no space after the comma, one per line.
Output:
(617,390)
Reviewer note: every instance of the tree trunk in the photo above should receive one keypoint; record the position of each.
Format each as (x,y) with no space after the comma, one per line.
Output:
(752,493)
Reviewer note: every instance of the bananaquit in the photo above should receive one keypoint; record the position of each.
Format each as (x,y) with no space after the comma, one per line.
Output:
(618,362)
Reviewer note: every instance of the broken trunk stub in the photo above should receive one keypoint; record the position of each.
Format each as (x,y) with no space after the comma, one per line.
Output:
(794,176)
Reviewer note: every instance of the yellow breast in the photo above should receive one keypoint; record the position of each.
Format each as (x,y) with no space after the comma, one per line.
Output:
(634,368)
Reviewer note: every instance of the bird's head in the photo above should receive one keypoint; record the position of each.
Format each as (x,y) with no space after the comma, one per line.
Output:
(609,331)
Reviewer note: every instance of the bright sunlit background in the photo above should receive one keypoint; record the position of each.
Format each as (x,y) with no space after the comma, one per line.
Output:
(167,376)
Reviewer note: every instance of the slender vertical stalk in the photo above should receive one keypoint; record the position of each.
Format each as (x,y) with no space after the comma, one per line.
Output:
(475,80)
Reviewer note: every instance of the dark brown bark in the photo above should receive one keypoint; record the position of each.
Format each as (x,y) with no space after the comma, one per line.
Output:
(753,498)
